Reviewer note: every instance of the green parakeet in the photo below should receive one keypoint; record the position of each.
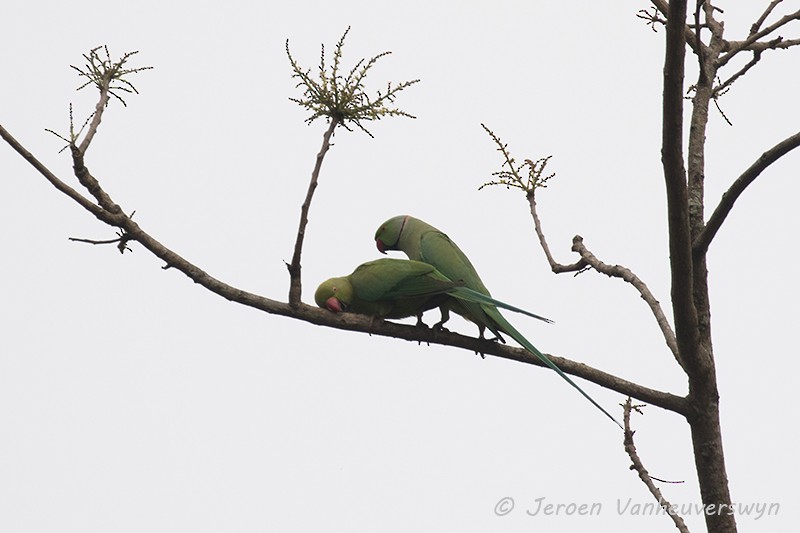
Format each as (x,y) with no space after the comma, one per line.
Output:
(396,288)
(422,242)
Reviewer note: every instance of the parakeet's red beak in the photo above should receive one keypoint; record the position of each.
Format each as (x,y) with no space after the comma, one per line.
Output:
(381,246)
(333,304)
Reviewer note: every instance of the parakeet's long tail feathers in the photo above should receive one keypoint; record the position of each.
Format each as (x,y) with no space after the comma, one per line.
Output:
(473,296)
(517,336)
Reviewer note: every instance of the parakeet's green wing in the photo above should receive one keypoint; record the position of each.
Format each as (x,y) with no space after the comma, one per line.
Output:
(437,249)
(389,279)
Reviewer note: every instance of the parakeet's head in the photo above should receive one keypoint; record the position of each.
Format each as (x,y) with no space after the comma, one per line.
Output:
(334,295)
(389,233)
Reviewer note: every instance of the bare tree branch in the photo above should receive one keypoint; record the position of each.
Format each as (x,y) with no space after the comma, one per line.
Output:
(619,271)
(97,117)
(757,24)
(347,321)
(737,46)
(651,18)
(121,241)
(555,266)
(716,43)
(730,196)
(84,202)
(699,48)
(719,89)
(90,183)
(778,43)
(295,281)
(638,466)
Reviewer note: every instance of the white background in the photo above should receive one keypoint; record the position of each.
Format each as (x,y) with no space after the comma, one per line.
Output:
(133,400)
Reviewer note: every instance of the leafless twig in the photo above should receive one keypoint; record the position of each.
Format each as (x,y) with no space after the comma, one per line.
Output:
(555,266)
(757,24)
(84,202)
(638,466)
(652,18)
(752,40)
(121,241)
(719,89)
(701,52)
(295,281)
(625,274)
(730,196)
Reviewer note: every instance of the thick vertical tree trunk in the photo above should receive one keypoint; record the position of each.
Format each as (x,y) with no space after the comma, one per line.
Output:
(708,455)
(690,301)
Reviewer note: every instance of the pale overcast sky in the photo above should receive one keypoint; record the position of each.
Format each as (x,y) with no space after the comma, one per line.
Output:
(133,400)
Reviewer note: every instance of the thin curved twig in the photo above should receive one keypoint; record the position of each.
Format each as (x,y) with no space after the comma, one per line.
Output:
(730,196)
(625,274)
(555,266)
(84,202)
(121,241)
(719,89)
(758,23)
(295,281)
(97,117)
(638,466)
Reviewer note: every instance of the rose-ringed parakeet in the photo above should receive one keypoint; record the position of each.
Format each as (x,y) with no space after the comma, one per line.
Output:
(396,288)
(422,242)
